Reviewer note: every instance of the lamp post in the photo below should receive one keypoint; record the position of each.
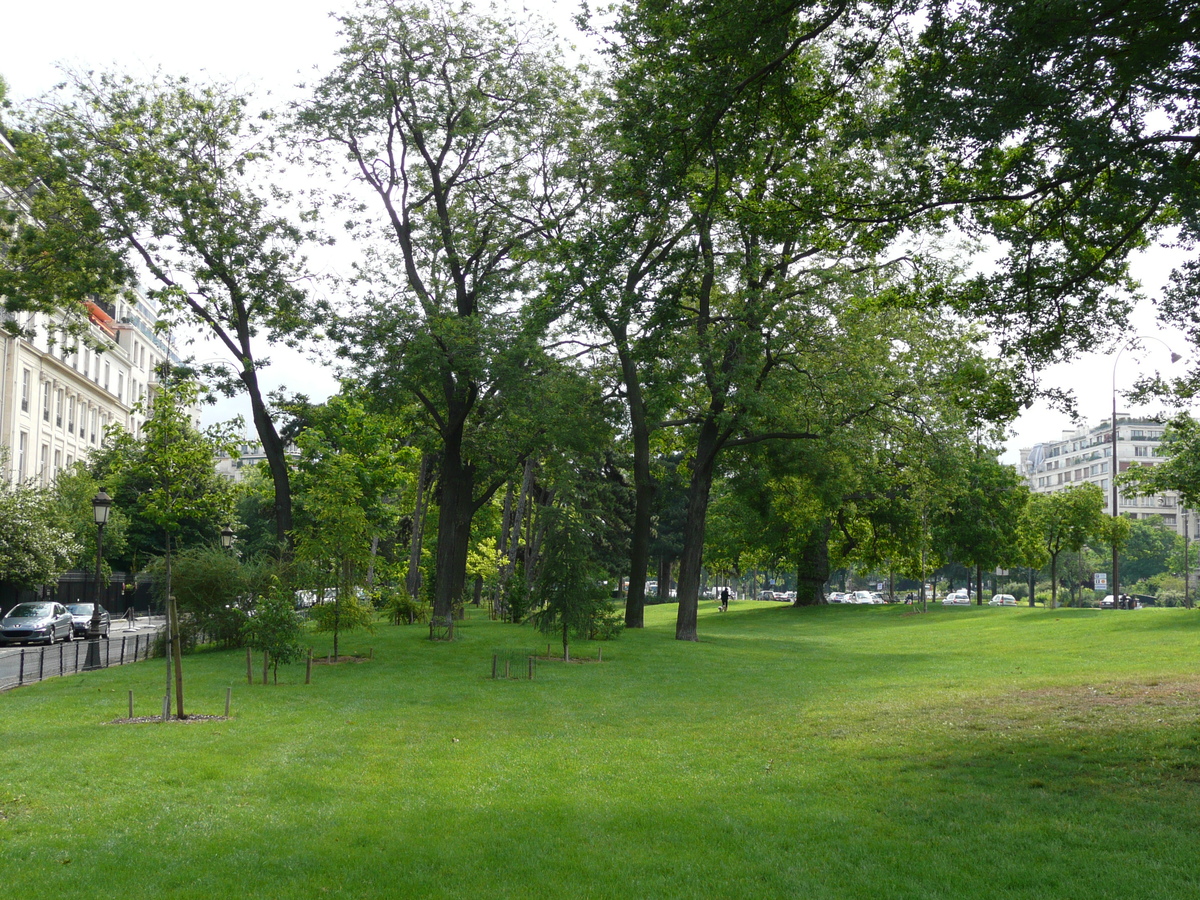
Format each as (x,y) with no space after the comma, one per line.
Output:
(101,504)
(226,537)
(1175,357)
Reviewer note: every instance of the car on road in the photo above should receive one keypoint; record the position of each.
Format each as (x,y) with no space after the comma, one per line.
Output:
(1003,600)
(861,597)
(39,620)
(81,618)
(836,597)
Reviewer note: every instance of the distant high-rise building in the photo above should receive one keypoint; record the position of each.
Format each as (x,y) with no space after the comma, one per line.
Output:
(1086,455)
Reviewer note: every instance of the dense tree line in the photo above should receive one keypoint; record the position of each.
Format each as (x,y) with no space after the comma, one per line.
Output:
(706,305)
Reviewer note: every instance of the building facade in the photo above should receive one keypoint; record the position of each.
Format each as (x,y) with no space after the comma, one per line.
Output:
(1086,455)
(59,392)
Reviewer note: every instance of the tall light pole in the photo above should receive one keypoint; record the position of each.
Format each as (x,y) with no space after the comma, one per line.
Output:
(1175,357)
(101,504)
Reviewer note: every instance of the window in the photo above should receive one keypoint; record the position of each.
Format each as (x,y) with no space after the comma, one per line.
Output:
(22,449)
(95,419)
(70,415)
(57,461)
(44,472)
(106,374)
(25,390)
(58,403)
(121,386)
(1141,451)
(45,401)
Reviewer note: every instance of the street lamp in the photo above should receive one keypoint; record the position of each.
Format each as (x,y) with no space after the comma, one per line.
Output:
(226,537)
(1175,357)
(101,504)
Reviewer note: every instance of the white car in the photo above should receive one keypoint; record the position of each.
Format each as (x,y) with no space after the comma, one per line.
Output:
(958,598)
(836,597)
(1003,600)
(861,597)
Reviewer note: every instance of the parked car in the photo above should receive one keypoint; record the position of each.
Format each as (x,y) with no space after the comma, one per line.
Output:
(836,597)
(81,618)
(861,597)
(767,595)
(959,598)
(36,621)
(1003,600)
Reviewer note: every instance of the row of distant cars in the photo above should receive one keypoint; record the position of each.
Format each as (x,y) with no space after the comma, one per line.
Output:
(45,621)
(864,598)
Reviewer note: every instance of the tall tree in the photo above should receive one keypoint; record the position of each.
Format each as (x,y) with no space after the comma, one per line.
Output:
(161,180)
(1064,521)
(455,123)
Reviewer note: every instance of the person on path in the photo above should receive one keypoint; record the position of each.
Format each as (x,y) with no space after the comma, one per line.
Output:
(724,599)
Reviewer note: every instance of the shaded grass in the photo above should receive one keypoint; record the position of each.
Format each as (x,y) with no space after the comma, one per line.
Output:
(829,752)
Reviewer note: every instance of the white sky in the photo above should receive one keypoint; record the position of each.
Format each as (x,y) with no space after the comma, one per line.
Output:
(269,46)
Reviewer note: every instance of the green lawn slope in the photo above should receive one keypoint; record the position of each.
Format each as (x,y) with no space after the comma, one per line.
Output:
(836,752)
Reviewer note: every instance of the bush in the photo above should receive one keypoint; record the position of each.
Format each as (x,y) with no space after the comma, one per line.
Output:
(401,609)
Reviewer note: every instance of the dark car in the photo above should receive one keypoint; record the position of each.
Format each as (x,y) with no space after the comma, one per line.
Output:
(81,618)
(40,620)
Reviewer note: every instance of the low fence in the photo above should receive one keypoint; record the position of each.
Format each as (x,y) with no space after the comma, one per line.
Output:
(29,665)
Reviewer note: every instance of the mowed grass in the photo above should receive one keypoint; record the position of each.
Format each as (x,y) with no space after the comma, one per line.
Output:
(835,752)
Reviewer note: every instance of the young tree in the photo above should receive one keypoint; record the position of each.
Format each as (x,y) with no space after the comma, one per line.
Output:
(160,180)
(166,479)
(275,628)
(1064,520)
(456,124)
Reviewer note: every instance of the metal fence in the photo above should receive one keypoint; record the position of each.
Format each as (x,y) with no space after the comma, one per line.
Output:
(29,665)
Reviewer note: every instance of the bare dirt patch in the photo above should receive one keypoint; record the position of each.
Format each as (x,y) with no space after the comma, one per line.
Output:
(140,720)
(330,661)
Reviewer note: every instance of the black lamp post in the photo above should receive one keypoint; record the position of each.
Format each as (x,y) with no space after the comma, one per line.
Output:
(101,504)
(226,537)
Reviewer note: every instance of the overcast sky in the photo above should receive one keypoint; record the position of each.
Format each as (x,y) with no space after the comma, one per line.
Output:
(272,45)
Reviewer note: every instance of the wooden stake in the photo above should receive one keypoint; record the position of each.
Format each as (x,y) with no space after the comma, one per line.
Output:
(228,700)
(266,665)
(130,700)
(493,666)
(308,668)
(249,668)
(600,654)
(506,662)
(371,653)
(531,668)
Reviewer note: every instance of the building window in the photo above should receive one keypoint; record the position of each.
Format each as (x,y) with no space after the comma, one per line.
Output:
(22,449)
(106,375)
(25,390)
(1141,451)
(57,461)
(70,415)
(44,474)
(58,401)
(95,419)
(121,386)
(45,401)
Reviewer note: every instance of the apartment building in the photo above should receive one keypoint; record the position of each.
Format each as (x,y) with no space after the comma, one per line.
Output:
(1086,455)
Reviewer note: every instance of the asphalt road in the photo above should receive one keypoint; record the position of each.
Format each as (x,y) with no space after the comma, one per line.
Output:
(10,656)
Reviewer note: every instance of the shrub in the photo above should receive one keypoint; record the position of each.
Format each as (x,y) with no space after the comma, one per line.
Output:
(401,609)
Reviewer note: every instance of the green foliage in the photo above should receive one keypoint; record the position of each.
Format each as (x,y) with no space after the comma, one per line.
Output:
(34,548)
(400,608)
(274,627)
(164,483)
(568,595)
(345,613)
(1179,471)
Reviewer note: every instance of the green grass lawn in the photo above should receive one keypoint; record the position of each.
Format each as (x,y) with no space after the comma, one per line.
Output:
(834,752)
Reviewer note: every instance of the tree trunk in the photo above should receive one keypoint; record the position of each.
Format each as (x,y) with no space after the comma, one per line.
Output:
(813,569)
(413,580)
(176,644)
(566,642)
(979,585)
(644,489)
(692,559)
(273,451)
(454,528)
(1054,581)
